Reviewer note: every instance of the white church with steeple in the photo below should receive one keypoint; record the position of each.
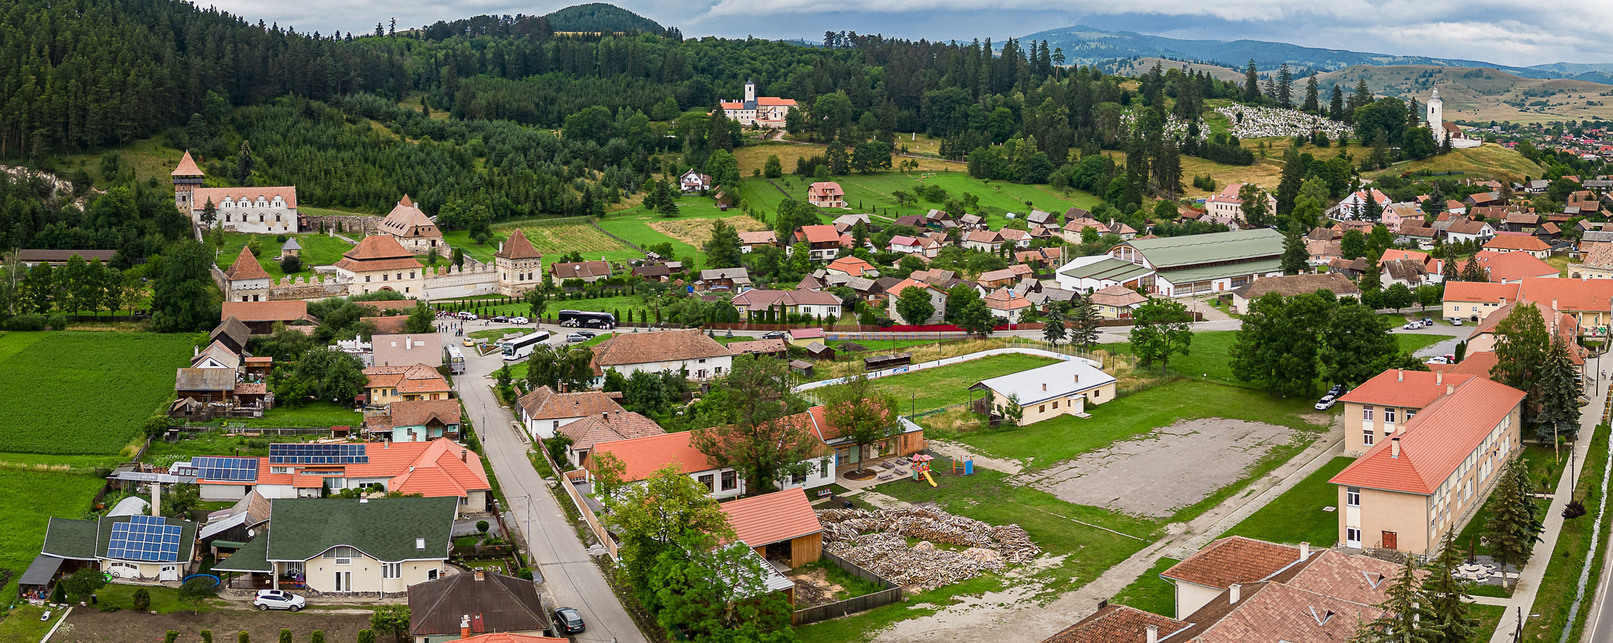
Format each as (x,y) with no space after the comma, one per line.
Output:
(767,111)
(1445,131)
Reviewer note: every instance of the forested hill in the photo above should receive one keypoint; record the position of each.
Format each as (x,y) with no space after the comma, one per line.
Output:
(600,16)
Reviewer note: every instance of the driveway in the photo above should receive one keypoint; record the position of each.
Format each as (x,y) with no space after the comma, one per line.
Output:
(569,575)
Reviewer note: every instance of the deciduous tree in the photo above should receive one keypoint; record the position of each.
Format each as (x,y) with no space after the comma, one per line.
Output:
(759,440)
(1159,329)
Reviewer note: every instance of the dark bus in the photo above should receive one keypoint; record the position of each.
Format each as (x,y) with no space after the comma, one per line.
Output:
(587,319)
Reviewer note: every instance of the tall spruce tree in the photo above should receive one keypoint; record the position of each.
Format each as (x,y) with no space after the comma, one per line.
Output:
(1472,271)
(1295,257)
(1313,99)
(1558,417)
(1514,524)
(1403,611)
(1084,329)
(1447,616)
(1521,346)
(1251,83)
(1335,105)
(1285,87)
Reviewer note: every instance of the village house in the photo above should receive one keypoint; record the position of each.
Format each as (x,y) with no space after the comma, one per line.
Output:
(1226,207)
(1043,393)
(588,432)
(435,468)
(1475,300)
(257,210)
(983,240)
(1513,267)
(643,456)
(1505,243)
(543,411)
(341,546)
(699,357)
(826,194)
(1594,263)
(1006,305)
(781,526)
(723,280)
(921,245)
(415,421)
(772,347)
(216,355)
(750,241)
(1430,477)
(823,242)
(30,257)
(128,547)
(1378,407)
(413,230)
(1290,285)
(1589,301)
(1116,302)
(1238,589)
(1073,227)
(767,112)
(261,316)
(851,267)
(938,299)
(388,384)
(1464,230)
(819,303)
(1397,215)
(693,181)
(587,271)
(1414,232)
(1353,204)
(458,606)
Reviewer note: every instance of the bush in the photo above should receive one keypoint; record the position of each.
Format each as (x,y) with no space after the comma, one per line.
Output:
(142,601)
(207,636)
(243,637)
(366,636)
(26,323)
(317,637)
(285,635)
(171,636)
(290,264)
(57,322)
(481,526)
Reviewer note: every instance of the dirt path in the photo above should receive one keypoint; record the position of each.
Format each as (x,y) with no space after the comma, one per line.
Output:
(1012,616)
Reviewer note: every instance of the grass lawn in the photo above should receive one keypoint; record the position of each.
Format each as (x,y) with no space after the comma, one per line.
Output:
(84,393)
(617,304)
(933,388)
(1489,617)
(28,499)
(881,344)
(872,193)
(163,599)
(863,625)
(317,250)
(1568,558)
(1150,593)
(23,624)
(163,453)
(1543,469)
(1297,515)
(1058,439)
(1210,355)
(313,414)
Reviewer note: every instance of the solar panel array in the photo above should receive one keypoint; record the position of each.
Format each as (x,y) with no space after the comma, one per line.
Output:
(317,454)
(144,538)
(230,469)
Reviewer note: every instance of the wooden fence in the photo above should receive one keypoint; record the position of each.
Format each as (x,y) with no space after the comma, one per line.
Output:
(890,594)
(567,480)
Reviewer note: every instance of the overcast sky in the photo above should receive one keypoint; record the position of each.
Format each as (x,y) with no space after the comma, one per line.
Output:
(1511,32)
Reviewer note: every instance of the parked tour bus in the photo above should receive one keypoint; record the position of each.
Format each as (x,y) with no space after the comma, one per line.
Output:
(521,347)
(587,319)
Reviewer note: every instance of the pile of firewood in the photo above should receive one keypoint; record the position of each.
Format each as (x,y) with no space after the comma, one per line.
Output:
(878,542)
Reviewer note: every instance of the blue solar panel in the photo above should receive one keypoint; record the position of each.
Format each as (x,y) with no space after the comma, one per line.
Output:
(145,538)
(317,454)
(227,469)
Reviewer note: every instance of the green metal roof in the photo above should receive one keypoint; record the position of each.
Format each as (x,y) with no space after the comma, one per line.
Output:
(1207,273)
(68,538)
(384,528)
(1111,269)
(1168,252)
(251,557)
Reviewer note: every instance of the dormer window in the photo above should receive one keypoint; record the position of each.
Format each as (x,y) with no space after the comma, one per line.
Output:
(1322,617)
(420,543)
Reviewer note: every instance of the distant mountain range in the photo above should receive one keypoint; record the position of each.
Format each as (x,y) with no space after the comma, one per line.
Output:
(1087,45)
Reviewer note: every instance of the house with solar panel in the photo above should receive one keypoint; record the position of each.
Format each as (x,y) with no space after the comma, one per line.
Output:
(435,468)
(151,548)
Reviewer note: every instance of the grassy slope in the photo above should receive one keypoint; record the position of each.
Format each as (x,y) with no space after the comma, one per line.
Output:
(872,193)
(1150,593)
(1210,354)
(1489,161)
(317,250)
(84,393)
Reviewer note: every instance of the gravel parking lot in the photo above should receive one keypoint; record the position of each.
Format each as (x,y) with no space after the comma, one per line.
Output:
(1159,474)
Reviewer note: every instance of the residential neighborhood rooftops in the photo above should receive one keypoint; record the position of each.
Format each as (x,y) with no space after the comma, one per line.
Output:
(850,265)
(543,403)
(1117,296)
(607,427)
(1484,291)
(1517,242)
(387,529)
(1510,267)
(819,234)
(641,457)
(1234,559)
(1117,623)
(1440,438)
(770,518)
(667,346)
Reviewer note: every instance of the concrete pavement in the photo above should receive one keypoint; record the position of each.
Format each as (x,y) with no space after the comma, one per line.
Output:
(571,577)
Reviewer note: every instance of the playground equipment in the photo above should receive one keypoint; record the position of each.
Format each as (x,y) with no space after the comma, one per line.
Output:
(968,467)
(921,467)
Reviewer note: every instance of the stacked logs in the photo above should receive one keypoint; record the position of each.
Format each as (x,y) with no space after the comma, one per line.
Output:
(878,541)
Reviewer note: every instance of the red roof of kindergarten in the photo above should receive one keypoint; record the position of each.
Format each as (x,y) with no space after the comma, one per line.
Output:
(644,456)
(1484,291)
(1403,388)
(1435,442)
(772,518)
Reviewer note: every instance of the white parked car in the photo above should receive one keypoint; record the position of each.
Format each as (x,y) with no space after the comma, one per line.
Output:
(1326,403)
(1438,360)
(1412,325)
(274,599)
(519,321)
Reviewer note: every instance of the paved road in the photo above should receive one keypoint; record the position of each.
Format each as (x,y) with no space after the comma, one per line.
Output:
(570,575)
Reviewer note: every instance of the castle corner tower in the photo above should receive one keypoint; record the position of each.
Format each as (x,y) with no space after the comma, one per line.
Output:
(187,177)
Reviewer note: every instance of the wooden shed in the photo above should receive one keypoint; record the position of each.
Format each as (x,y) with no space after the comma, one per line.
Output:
(780,526)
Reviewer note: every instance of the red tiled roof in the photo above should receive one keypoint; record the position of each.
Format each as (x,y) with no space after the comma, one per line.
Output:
(1570,295)
(1514,266)
(287,193)
(644,456)
(1233,560)
(1278,612)
(1403,388)
(517,247)
(1435,442)
(417,378)
(187,166)
(771,518)
(1483,291)
(545,404)
(607,427)
(246,266)
(1117,624)
(818,234)
(666,346)
(851,266)
(265,311)
(377,252)
(825,188)
(419,412)
(1523,242)
(406,220)
(503,637)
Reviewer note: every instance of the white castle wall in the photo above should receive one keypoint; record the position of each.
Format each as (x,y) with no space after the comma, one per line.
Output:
(474,279)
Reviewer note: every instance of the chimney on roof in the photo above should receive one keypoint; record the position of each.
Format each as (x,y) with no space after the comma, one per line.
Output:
(1400,375)
(1044,386)
(464,455)
(1304,552)
(1439,377)
(1153,634)
(195,352)
(477,625)
(464,626)
(156,499)
(1449,389)
(1234,593)
(480,576)
(1394,447)
(1554,303)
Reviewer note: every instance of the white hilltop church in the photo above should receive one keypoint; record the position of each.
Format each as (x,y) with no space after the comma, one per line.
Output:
(766,111)
(1446,131)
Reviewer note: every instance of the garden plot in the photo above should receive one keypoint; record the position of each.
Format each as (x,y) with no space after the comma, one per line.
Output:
(1170,469)
(696,232)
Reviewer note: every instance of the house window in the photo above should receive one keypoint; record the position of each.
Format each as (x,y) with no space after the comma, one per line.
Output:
(1041,408)
(730,480)
(709,481)
(1055,405)
(1366,414)
(823,467)
(1410,414)
(1352,496)
(391,570)
(1389,416)
(1352,537)
(1366,436)
(366,278)
(431,574)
